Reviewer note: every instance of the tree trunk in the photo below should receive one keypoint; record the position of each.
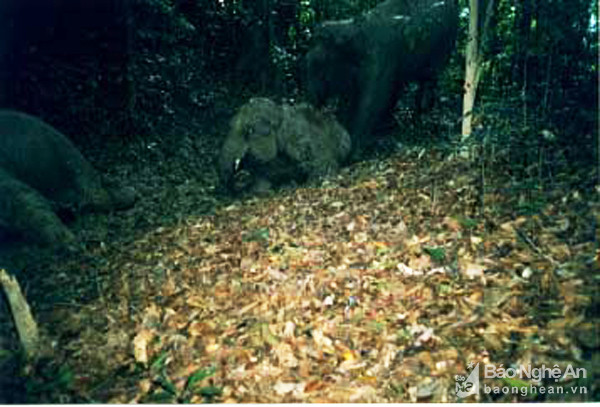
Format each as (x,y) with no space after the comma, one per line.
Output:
(477,34)
(472,69)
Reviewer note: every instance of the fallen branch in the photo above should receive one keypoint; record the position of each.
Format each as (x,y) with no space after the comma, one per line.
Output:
(535,249)
(26,326)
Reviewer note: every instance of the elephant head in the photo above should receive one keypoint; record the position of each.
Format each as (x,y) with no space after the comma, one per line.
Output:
(252,136)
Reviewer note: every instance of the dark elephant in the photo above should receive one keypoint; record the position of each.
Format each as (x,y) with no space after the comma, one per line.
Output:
(42,173)
(364,62)
(281,143)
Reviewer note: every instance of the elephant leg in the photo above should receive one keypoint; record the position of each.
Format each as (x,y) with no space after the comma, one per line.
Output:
(425,97)
(375,101)
(26,212)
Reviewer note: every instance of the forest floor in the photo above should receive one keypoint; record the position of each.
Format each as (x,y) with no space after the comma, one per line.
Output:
(389,282)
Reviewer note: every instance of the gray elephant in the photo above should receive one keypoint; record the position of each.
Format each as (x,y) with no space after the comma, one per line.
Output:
(277,144)
(366,61)
(42,173)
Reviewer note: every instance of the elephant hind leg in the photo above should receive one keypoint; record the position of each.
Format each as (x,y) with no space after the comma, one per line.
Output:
(25,212)
(374,103)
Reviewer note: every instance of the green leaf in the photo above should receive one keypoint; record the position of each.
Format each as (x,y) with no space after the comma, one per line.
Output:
(468,223)
(5,354)
(200,375)
(436,253)
(64,377)
(267,335)
(159,362)
(258,235)
(167,384)
(444,289)
(160,397)
(376,326)
(209,392)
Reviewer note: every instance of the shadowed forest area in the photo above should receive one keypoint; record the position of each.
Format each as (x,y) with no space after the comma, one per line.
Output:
(299,201)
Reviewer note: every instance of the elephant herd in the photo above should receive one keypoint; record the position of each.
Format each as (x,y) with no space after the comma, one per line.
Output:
(361,65)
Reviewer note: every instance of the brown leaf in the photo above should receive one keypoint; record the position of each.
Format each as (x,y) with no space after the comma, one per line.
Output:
(314,385)
(285,355)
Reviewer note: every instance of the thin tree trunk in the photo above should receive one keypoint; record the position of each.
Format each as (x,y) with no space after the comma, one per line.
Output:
(472,69)
(474,59)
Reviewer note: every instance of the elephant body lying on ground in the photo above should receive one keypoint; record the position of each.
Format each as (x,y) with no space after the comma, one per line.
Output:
(42,173)
(281,143)
(366,61)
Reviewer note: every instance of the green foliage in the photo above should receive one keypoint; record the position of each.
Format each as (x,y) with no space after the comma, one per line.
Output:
(531,206)
(437,254)
(159,363)
(160,397)
(200,375)
(167,392)
(48,381)
(259,235)
(376,326)
(306,14)
(445,289)
(468,223)
(210,393)
(166,384)
(6,354)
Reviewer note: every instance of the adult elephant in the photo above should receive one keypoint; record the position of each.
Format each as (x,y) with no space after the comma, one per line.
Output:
(365,62)
(42,174)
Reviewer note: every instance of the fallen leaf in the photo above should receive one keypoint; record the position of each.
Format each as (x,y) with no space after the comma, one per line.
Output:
(473,270)
(140,345)
(297,389)
(285,355)
(364,394)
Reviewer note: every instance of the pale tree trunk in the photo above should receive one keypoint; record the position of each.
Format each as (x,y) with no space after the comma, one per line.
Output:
(472,69)
(474,61)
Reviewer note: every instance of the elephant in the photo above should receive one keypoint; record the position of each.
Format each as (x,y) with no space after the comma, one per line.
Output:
(365,62)
(24,211)
(42,174)
(281,143)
